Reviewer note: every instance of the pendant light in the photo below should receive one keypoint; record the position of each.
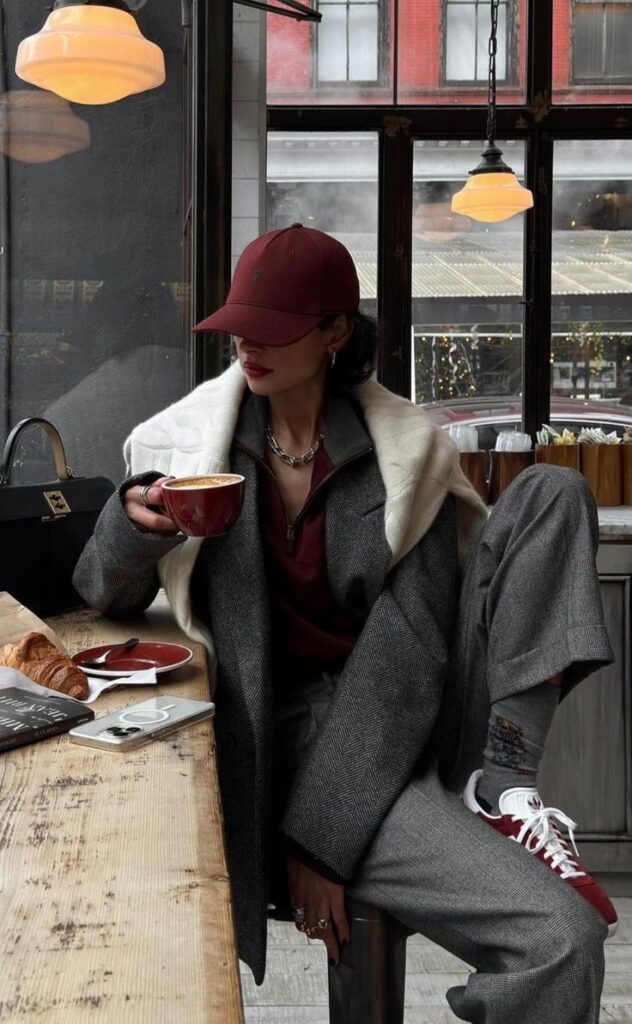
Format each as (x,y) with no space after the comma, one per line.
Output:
(37,127)
(91,53)
(492,191)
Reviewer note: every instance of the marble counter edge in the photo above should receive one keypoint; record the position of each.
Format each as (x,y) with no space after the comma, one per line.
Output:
(615,523)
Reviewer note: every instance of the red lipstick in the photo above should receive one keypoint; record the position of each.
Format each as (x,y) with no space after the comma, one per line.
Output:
(254,370)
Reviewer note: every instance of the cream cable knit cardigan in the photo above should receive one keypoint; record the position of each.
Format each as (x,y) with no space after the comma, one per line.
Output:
(419,464)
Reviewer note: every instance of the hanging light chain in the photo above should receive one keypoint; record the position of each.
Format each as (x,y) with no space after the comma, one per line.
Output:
(491,80)
(492,192)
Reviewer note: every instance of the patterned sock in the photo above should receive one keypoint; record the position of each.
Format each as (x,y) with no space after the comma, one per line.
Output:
(518,727)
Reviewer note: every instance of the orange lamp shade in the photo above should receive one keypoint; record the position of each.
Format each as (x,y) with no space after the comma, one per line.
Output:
(492,196)
(37,127)
(90,54)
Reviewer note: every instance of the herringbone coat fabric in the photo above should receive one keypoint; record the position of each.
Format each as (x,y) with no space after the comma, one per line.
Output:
(388,694)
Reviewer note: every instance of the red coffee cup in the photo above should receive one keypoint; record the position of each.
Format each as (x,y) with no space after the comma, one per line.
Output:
(204,506)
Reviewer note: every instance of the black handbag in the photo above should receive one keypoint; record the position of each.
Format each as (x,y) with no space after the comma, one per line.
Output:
(44,527)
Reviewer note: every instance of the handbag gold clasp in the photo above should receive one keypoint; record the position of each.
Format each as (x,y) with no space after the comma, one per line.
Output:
(57,504)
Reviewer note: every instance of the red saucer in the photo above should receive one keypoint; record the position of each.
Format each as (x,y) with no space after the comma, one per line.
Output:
(161,656)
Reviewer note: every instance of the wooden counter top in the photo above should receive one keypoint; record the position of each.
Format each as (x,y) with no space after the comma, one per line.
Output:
(114,894)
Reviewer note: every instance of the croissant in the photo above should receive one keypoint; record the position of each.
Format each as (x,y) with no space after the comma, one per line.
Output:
(41,661)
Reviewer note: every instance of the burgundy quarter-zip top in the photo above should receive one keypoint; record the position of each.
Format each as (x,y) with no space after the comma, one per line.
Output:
(308,628)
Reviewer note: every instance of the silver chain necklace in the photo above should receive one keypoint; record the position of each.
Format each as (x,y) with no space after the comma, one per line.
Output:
(292,460)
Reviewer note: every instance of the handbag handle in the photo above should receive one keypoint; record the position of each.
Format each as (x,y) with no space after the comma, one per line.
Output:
(63,471)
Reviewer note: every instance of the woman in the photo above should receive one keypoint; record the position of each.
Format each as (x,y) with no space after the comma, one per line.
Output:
(366,670)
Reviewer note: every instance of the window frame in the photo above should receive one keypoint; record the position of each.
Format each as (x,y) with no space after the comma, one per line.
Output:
(510,78)
(604,81)
(383,52)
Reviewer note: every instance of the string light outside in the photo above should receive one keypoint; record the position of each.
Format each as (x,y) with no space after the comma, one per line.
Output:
(90,53)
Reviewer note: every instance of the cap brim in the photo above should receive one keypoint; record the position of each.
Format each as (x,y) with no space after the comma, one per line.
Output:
(260,324)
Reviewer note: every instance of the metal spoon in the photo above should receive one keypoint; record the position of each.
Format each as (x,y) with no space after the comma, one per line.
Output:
(103,658)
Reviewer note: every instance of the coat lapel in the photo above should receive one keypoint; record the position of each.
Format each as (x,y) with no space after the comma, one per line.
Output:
(241,597)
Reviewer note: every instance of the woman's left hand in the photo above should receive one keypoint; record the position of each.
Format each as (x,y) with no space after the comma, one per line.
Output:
(320,899)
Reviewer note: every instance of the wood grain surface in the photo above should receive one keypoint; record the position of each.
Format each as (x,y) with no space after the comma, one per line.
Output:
(114,895)
(505,467)
(602,466)
(626,468)
(474,465)
(558,454)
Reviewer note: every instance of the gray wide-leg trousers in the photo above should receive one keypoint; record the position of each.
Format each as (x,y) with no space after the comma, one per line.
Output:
(530,607)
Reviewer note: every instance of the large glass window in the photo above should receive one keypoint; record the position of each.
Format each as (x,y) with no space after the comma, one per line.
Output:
(328,180)
(591,359)
(489,316)
(92,312)
(466,292)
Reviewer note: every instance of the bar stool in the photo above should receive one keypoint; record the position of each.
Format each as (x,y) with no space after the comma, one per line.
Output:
(367,987)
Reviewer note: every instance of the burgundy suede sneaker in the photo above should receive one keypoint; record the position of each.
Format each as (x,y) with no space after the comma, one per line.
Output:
(524,819)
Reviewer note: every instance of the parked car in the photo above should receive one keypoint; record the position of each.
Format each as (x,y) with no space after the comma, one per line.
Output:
(491,413)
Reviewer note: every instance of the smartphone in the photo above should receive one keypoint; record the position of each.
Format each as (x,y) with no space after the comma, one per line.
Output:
(131,727)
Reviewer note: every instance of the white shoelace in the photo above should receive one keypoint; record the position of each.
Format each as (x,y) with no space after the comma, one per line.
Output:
(539,831)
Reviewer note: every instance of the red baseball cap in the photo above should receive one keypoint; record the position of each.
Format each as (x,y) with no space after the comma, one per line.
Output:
(284,283)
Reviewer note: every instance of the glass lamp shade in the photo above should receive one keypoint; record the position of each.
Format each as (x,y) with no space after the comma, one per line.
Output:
(492,196)
(90,54)
(37,127)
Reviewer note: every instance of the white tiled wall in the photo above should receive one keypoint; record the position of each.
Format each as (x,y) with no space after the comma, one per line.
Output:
(249,127)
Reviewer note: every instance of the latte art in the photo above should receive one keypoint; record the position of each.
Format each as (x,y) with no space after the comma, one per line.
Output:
(197,483)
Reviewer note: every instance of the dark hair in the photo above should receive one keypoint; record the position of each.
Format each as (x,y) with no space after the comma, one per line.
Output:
(355,361)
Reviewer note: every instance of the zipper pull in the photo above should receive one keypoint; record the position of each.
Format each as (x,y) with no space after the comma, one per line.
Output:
(289,539)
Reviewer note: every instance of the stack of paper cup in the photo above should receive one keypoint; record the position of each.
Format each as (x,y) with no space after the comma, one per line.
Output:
(465,437)
(513,441)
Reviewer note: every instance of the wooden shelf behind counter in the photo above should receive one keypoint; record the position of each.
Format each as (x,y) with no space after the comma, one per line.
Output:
(115,898)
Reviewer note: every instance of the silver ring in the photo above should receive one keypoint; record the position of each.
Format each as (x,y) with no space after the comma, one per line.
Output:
(321,925)
(298,913)
(143,494)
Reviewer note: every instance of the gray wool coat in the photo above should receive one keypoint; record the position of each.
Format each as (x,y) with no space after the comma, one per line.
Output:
(387,697)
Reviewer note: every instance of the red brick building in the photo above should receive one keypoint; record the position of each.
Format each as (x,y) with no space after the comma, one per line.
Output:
(437,53)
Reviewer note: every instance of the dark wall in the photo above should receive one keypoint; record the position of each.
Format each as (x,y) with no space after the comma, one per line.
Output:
(95,338)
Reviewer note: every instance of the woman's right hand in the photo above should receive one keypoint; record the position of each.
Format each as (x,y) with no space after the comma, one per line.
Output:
(320,899)
(148,518)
